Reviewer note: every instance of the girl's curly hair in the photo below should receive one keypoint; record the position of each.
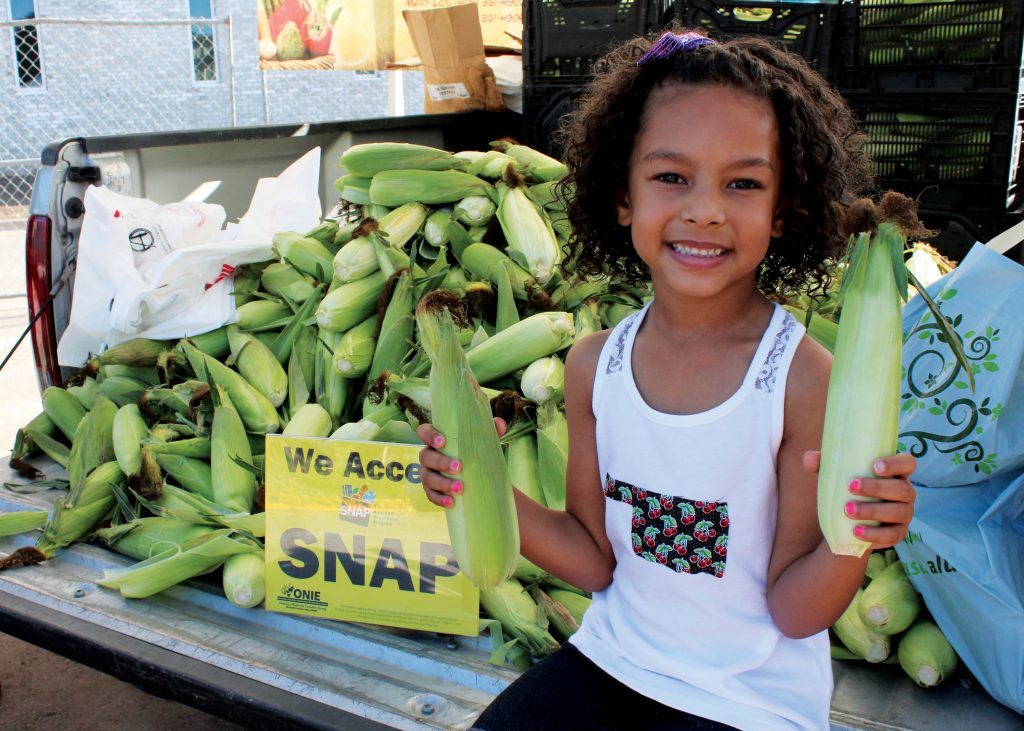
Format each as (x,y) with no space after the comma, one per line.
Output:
(825,166)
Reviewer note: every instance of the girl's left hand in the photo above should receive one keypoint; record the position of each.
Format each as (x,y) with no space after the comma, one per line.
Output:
(894,494)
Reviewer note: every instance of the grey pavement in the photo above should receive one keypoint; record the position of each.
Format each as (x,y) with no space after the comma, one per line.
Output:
(18,386)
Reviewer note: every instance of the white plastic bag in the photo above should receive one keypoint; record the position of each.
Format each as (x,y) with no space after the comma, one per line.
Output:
(164,271)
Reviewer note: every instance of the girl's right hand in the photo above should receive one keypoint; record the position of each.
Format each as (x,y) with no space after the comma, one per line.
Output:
(438,486)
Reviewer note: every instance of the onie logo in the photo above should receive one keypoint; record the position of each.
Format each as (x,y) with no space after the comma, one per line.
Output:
(295,595)
(141,239)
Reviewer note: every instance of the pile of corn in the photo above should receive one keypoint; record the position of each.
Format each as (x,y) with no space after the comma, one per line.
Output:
(163,441)
(887,622)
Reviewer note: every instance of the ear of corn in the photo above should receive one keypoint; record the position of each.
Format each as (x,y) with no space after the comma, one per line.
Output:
(364,430)
(122,389)
(173,566)
(534,337)
(397,187)
(244,579)
(925,654)
(180,504)
(143,538)
(346,306)
(486,262)
(63,409)
(306,254)
(24,445)
(215,342)
(397,432)
(560,619)
(81,509)
(93,443)
(192,473)
(822,330)
(866,644)
(195,447)
(577,604)
(371,158)
(544,380)
(531,240)
(284,280)
(521,457)
(401,224)
(258,365)
(474,210)
(354,351)
(862,411)
(86,392)
(299,389)
(257,412)
(355,260)
(488,164)
(507,314)
(331,388)
(147,375)
(552,453)
(354,188)
(435,228)
(520,616)
(234,486)
(55,450)
(135,352)
(482,524)
(533,163)
(128,431)
(587,320)
(257,316)
(310,420)
(890,603)
(396,330)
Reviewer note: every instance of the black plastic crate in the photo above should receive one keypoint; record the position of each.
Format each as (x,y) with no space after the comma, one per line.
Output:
(957,232)
(804,28)
(963,45)
(936,138)
(543,107)
(562,38)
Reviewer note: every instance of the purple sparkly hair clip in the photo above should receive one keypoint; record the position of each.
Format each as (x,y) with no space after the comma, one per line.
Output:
(672,43)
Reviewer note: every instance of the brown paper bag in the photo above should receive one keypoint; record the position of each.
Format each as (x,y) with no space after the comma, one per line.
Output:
(451,46)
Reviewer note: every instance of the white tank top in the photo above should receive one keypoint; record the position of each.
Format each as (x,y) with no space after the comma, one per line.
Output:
(690,510)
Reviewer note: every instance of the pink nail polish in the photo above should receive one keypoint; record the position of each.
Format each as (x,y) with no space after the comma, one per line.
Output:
(448,502)
(455,466)
(457,487)
(438,441)
(858,530)
(850,508)
(855,486)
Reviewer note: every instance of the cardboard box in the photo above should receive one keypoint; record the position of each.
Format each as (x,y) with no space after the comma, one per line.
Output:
(455,73)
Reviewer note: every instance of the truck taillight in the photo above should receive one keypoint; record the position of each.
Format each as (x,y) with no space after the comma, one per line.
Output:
(39,282)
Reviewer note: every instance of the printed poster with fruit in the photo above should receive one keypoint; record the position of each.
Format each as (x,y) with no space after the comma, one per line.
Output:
(351,536)
(362,34)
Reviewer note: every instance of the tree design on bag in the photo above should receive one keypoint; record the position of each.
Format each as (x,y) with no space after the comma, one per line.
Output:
(935,382)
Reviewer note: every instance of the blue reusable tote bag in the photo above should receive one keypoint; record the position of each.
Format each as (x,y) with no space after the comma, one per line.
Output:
(965,550)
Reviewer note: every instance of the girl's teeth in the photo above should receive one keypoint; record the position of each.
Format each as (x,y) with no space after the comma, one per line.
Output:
(690,251)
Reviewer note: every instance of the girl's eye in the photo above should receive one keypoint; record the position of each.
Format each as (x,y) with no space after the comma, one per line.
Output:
(670,178)
(746,184)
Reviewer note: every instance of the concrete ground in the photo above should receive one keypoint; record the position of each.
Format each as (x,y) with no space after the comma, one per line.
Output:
(38,689)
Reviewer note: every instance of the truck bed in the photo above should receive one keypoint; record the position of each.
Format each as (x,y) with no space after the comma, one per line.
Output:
(263,669)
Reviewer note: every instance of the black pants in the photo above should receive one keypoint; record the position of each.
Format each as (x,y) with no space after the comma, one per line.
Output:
(566,691)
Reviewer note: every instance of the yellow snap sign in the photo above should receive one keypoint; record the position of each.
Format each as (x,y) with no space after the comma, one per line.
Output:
(351,536)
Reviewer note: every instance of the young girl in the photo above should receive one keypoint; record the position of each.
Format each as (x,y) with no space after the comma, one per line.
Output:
(719,169)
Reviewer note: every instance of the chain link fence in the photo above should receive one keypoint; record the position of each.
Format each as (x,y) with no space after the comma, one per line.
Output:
(65,77)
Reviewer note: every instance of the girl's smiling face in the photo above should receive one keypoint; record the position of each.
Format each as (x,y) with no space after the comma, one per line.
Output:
(703,192)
